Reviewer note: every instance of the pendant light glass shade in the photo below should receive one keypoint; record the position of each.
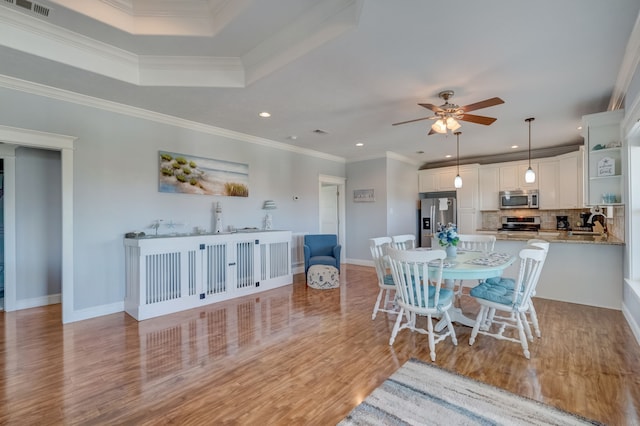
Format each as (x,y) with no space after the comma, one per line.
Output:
(529,175)
(439,127)
(457,182)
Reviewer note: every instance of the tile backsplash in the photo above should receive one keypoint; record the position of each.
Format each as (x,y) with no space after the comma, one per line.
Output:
(615,226)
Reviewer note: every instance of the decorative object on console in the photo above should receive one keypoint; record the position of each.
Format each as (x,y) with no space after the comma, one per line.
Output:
(530,175)
(218,211)
(268,219)
(457,182)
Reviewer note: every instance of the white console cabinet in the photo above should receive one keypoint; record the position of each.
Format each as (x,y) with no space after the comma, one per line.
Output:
(168,274)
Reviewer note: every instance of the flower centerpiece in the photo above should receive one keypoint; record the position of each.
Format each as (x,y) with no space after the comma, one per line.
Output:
(448,237)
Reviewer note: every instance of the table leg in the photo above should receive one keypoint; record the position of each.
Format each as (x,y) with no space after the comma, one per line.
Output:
(455,312)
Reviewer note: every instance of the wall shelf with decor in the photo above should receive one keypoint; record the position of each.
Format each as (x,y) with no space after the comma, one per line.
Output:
(603,152)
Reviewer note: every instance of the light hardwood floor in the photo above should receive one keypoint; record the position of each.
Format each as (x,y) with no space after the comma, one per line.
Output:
(293,355)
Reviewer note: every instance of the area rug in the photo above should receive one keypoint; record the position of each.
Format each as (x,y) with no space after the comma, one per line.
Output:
(424,394)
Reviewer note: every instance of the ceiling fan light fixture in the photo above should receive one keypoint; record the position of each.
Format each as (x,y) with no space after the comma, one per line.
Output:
(452,124)
(439,126)
(529,175)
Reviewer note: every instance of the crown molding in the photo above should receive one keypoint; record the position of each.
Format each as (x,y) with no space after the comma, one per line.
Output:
(394,156)
(629,66)
(91,102)
(324,22)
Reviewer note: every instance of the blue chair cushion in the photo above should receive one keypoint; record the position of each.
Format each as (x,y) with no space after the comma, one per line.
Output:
(494,292)
(504,282)
(388,280)
(323,260)
(446,295)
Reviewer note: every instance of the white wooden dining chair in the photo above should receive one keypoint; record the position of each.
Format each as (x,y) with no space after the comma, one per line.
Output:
(386,296)
(510,283)
(513,302)
(474,242)
(410,269)
(403,242)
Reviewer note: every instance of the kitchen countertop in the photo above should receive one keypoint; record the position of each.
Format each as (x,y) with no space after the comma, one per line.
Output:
(553,236)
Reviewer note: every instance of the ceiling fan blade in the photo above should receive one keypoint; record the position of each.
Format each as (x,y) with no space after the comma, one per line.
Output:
(478,119)
(432,107)
(431,132)
(411,121)
(482,104)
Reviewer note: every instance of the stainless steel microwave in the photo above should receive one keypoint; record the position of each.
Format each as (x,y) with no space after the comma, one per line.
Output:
(519,199)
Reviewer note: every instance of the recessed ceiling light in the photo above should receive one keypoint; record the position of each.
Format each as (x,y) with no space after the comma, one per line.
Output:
(264,114)
(579,127)
(419,152)
(448,156)
(292,137)
(359,144)
(514,146)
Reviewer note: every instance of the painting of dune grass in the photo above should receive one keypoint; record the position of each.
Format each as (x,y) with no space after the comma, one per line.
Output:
(187,174)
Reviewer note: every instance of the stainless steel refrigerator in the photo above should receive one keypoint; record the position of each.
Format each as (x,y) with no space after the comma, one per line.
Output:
(435,208)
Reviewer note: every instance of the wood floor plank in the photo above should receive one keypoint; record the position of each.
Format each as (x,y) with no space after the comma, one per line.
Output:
(293,355)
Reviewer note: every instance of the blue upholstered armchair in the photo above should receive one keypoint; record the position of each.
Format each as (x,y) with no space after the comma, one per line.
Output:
(321,249)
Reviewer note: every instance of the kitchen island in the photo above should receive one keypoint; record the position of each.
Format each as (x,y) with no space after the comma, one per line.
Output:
(583,269)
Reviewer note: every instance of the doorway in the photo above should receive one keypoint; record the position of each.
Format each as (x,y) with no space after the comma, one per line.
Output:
(12,137)
(332,209)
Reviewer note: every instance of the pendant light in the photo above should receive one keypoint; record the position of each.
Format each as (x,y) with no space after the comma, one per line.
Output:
(457,182)
(530,175)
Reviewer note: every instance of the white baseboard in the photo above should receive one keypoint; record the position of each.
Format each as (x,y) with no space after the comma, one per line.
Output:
(96,311)
(628,315)
(361,262)
(50,299)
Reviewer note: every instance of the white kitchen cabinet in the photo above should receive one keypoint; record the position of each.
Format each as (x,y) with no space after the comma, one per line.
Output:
(512,176)
(427,180)
(488,187)
(570,180)
(467,200)
(548,184)
(433,180)
(603,158)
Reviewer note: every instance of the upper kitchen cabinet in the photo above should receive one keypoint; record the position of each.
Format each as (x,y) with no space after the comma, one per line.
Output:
(570,180)
(603,158)
(432,180)
(488,186)
(560,181)
(467,200)
(512,176)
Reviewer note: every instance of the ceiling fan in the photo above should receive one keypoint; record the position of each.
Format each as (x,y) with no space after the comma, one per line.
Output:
(447,115)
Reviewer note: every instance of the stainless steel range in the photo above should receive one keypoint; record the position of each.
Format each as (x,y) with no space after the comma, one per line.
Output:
(520,223)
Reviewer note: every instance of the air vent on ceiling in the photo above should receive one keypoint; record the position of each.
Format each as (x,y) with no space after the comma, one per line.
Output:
(320,132)
(31,6)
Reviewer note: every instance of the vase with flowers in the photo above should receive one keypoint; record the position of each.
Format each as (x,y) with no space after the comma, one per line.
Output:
(448,238)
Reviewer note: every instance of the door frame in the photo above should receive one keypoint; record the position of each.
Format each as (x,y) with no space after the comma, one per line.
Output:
(341,183)
(14,137)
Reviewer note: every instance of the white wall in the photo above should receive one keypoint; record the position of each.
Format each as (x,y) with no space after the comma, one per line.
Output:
(116,184)
(402,197)
(365,220)
(394,210)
